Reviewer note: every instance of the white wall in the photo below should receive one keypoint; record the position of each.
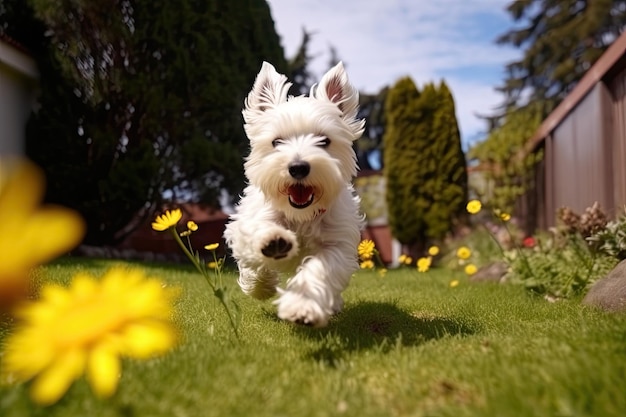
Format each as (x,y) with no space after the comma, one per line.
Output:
(18,86)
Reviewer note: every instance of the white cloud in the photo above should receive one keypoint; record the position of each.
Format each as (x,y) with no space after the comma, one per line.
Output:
(381,41)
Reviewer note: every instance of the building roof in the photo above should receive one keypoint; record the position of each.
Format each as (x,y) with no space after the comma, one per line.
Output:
(604,68)
(16,56)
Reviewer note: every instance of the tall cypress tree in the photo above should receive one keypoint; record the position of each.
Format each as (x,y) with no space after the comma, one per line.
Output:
(401,154)
(424,164)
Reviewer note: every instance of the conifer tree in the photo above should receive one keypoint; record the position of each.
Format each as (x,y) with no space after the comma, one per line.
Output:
(560,40)
(424,164)
(141,100)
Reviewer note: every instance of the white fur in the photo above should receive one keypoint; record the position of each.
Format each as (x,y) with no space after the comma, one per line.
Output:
(315,246)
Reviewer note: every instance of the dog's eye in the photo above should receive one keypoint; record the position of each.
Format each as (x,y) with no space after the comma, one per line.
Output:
(324,143)
(276,142)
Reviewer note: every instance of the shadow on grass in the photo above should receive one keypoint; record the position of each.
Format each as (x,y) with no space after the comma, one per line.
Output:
(379,326)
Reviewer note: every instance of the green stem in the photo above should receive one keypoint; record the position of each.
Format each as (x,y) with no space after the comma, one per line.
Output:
(189,255)
(218,291)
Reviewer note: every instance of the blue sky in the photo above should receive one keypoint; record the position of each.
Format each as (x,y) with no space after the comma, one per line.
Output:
(428,40)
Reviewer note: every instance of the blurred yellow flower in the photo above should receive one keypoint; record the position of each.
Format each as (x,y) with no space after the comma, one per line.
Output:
(366,249)
(369,264)
(212,246)
(402,258)
(169,219)
(474,206)
(433,250)
(382,272)
(454,283)
(423,264)
(212,265)
(191,225)
(86,328)
(463,252)
(505,217)
(31,233)
(470,269)
(408,260)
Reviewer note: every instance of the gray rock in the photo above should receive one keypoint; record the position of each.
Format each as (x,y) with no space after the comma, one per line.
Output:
(491,273)
(609,293)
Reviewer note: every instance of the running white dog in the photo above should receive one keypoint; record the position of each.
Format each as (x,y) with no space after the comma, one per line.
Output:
(299,215)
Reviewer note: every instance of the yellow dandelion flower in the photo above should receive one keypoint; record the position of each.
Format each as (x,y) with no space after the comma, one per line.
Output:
(382,272)
(433,250)
(505,217)
(408,260)
(192,226)
(402,258)
(369,264)
(366,249)
(212,246)
(470,269)
(463,252)
(169,219)
(86,328)
(474,206)
(31,233)
(423,264)
(454,283)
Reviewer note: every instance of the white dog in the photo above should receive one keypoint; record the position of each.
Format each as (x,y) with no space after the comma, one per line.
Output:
(299,215)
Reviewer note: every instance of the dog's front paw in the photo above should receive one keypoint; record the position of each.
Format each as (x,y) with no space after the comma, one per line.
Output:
(278,248)
(278,243)
(300,309)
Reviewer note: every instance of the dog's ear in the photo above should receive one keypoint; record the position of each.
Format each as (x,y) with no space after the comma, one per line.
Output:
(335,87)
(270,88)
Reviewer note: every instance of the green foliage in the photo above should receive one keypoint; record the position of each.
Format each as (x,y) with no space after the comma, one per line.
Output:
(611,240)
(556,269)
(560,41)
(141,100)
(372,109)
(508,168)
(424,163)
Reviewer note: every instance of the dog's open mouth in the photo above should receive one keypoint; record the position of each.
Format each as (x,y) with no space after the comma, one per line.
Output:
(300,195)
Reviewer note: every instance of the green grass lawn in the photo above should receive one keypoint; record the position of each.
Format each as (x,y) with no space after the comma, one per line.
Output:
(405,345)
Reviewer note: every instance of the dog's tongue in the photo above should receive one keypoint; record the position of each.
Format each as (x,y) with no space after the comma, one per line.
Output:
(300,194)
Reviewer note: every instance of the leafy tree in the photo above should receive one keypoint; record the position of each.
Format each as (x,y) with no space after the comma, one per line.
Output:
(141,100)
(561,39)
(371,108)
(299,72)
(424,164)
(509,171)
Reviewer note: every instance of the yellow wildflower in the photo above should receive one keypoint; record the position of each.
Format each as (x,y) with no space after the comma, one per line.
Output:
(192,226)
(382,272)
(474,206)
(463,252)
(212,246)
(433,250)
(369,264)
(31,233)
(423,264)
(86,328)
(402,258)
(454,283)
(366,249)
(408,260)
(505,217)
(169,219)
(212,265)
(470,269)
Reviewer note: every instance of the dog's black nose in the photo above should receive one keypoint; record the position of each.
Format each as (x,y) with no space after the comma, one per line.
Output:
(299,169)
